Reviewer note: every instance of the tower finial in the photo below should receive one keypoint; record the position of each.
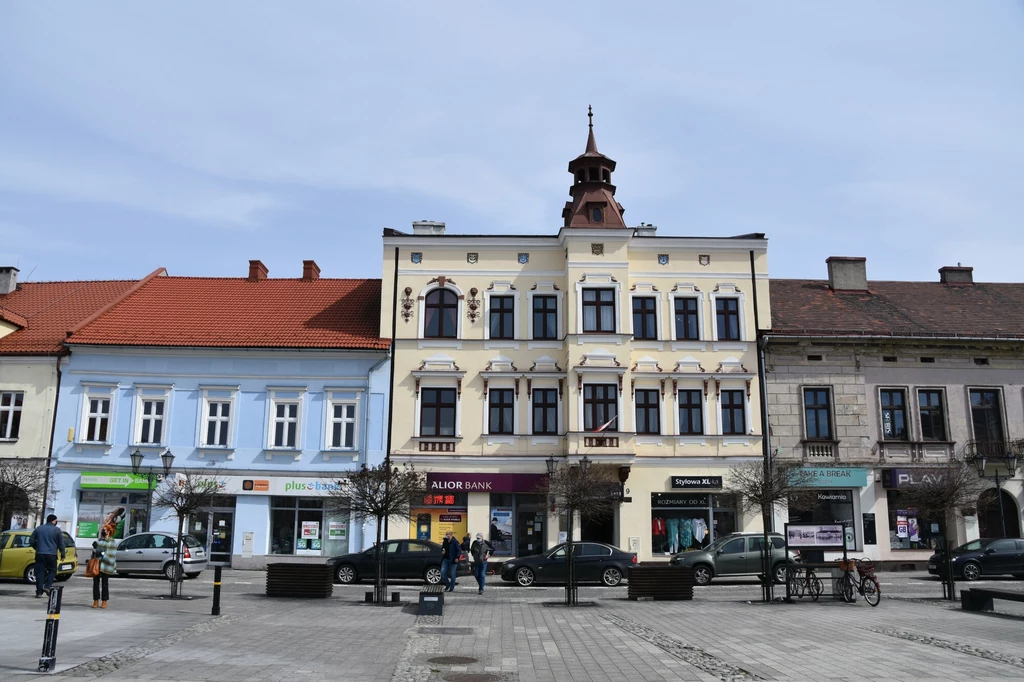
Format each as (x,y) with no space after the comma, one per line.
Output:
(590,115)
(591,142)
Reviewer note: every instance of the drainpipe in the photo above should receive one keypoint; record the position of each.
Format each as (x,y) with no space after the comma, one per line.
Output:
(767,512)
(49,450)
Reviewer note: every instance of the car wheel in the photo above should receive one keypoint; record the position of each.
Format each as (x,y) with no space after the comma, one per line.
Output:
(432,575)
(702,574)
(193,576)
(62,577)
(345,574)
(611,576)
(971,570)
(30,574)
(525,577)
(781,574)
(172,570)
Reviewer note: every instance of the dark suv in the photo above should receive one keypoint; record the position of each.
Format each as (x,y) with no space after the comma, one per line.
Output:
(986,556)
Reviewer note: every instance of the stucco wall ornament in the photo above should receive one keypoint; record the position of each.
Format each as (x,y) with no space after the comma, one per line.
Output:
(407,304)
(473,305)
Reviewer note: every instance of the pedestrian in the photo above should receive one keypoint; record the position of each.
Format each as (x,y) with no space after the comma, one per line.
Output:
(481,550)
(454,552)
(106,551)
(448,539)
(467,542)
(47,540)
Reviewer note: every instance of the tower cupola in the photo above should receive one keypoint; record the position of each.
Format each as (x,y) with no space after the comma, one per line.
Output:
(593,194)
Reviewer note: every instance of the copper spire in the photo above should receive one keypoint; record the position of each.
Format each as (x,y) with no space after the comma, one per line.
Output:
(591,142)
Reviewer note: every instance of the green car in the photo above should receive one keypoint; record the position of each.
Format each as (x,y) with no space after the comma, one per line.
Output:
(736,554)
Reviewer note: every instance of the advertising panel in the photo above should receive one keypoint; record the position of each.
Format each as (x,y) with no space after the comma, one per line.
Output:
(815,535)
(114,480)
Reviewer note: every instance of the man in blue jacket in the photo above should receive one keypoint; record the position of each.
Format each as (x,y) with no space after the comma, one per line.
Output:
(452,553)
(47,540)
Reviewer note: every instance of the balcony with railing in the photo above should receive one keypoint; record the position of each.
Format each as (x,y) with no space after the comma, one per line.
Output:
(822,451)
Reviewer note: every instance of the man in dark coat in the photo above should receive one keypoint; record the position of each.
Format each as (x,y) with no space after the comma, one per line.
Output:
(47,540)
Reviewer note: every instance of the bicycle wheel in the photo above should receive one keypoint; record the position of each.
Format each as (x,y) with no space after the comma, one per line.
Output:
(795,580)
(845,588)
(817,587)
(871,591)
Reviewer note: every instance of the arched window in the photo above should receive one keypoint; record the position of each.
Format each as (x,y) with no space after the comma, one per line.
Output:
(442,314)
(605,175)
(596,215)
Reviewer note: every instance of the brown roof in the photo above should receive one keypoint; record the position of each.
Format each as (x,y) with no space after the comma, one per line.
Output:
(235,312)
(930,309)
(46,311)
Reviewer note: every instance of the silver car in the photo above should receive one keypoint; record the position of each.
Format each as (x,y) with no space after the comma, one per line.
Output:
(152,553)
(736,554)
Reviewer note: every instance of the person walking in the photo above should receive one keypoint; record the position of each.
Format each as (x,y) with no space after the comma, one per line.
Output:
(448,539)
(105,549)
(481,550)
(454,552)
(47,540)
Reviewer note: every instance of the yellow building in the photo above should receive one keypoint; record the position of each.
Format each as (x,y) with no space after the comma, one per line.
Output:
(634,349)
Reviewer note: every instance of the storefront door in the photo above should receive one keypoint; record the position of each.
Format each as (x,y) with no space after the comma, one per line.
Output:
(530,530)
(213,531)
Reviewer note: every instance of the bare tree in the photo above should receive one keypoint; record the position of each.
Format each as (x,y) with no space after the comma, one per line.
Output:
(22,487)
(185,492)
(378,493)
(585,490)
(943,493)
(769,487)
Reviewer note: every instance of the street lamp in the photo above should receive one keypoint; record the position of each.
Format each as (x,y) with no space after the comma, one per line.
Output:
(1010,461)
(168,461)
(585,463)
(552,464)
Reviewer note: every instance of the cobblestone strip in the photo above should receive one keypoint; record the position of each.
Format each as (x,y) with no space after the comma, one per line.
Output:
(987,654)
(119,659)
(693,655)
(418,648)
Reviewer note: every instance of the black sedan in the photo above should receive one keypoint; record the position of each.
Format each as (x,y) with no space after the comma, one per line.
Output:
(982,557)
(406,559)
(595,562)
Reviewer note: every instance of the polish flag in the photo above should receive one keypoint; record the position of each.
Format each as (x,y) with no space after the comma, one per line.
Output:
(606,424)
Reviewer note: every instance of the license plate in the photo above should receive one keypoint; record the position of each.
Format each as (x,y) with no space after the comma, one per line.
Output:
(931,566)
(66,567)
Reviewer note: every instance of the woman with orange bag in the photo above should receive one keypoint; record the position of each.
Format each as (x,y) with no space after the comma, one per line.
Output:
(105,550)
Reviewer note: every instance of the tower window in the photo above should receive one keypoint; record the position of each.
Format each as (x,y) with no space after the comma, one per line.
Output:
(580,176)
(593,174)
(596,215)
(606,176)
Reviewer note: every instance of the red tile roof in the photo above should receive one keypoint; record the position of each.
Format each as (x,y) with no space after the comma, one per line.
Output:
(46,311)
(930,309)
(229,312)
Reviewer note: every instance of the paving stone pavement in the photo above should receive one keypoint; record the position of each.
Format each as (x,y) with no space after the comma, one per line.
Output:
(515,634)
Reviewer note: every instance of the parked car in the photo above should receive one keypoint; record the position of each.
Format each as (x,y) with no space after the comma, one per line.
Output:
(17,558)
(736,554)
(595,562)
(152,553)
(406,559)
(987,556)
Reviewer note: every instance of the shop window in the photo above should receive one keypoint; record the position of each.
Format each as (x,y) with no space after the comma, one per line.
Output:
(126,512)
(600,407)
(987,417)
(502,317)
(733,413)
(599,310)
(691,413)
(645,318)
(681,522)
(727,319)
(545,317)
(908,529)
(437,412)
(933,414)
(894,413)
(687,320)
(824,506)
(518,524)
(298,526)
(648,403)
(441,314)
(438,513)
(545,411)
(10,414)
(501,411)
(818,413)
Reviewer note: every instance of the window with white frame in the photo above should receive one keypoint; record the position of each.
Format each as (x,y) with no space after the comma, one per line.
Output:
(438,412)
(691,412)
(151,420)
(545,318)
(648,411)
(598,310)
(342,424)
(727,318)
(10,414)
(733,413)
(217,431)
(284,419)
(97,418)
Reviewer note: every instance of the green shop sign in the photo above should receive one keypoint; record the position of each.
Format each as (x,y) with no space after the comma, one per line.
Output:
(113,480)
(836,477)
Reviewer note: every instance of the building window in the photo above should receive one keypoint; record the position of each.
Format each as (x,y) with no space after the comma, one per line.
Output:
(647,411)
(441,314)
(218,423)
(817,414)
(987,415)
(285,424)
(151,421)
(545,317)
(933,415)
(599,310)
(894,413)
(645,319)
(545,411)
(97,420)
(907,528)
(600,407)
(687,320)
(299,525)
(733,417)
(95,508)
(437,412)
(691,413)
(502,324)
(10,414)
(727,316)
(500,418)
(596,214)
(343,425)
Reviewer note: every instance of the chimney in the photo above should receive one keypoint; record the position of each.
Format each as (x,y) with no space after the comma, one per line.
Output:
(951,274)
(847,273)
(8,279)
(427,227)
(257,271)
(310,270)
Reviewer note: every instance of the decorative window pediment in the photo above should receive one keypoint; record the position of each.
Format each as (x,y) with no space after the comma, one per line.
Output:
(500,364)
(545,363)
(599,358)
(730,365)
(646,364)
(439,363)
(689,364)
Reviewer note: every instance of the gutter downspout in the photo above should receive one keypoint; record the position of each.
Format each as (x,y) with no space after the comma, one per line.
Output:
(767,511)
(53,428)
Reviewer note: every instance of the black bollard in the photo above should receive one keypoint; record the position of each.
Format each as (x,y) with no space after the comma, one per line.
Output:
(216,590)
(48,659)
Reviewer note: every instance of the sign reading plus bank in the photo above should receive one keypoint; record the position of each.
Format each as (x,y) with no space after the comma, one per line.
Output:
(486,483)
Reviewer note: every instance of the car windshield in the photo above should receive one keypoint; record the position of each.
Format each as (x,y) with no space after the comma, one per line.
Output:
(191,541)
(972,546)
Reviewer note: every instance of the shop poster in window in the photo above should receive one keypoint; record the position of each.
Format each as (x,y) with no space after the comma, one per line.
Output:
(501,531)
(336,530)
(310,530)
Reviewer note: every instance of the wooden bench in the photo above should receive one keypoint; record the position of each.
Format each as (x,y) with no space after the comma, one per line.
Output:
(431,600)
(300,580)
(659,582)
(980,599)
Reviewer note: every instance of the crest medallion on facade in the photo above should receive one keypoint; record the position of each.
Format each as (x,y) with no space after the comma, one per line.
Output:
(704,259)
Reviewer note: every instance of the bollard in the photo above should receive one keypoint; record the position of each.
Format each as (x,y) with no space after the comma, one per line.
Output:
(216,591)
(48,659)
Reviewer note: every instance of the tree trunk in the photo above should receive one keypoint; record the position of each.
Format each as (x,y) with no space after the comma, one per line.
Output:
(379,580)
(570,562)
(179,571)
(768,588)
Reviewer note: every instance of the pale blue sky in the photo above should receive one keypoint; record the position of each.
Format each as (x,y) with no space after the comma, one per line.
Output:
(199,135)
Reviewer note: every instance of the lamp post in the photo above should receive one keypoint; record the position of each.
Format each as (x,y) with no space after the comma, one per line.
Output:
(1009,460)
(167,459)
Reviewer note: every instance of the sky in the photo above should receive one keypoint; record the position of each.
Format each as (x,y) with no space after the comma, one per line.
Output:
(196,136)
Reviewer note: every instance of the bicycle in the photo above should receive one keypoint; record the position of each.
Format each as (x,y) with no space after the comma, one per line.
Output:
(867,585)
(806,584)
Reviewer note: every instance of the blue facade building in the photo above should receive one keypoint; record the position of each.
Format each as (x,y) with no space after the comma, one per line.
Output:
(273,386)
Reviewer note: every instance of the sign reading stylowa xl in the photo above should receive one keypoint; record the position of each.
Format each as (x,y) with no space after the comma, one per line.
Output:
(705,482)
(485,483)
